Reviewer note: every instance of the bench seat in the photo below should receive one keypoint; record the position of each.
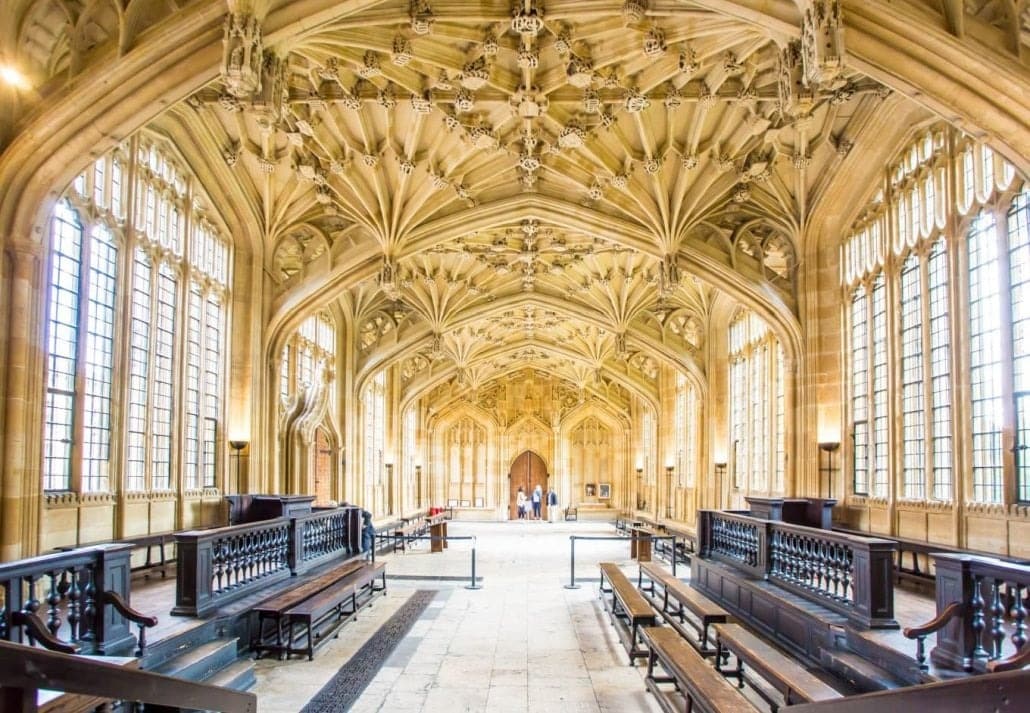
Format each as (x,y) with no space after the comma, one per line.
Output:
(324,612)
(687,599)
(273,611)
(792,680)
(704,689)
(627,608)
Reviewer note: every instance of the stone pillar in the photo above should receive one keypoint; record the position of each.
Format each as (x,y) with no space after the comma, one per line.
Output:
(19,499)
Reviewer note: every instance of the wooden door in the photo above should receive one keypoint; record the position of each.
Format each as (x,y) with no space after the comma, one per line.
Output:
(323,468)
(528,471)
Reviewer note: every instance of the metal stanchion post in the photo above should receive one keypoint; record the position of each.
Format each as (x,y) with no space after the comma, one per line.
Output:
(673,555)
(572,564)
(473,584)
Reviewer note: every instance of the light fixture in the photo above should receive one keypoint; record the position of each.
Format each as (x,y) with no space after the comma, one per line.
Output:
(237,445)
(828,447)
(668,501)
(12,77)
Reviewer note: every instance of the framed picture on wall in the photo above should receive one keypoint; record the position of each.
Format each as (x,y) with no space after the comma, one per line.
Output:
(452,503)
(466,503)
(604,491)
(479,502)
(590,490)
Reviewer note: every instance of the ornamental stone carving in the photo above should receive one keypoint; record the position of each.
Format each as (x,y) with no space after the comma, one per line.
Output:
(241,55)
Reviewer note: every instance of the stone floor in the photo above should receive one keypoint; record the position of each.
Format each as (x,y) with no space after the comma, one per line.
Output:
(523,642)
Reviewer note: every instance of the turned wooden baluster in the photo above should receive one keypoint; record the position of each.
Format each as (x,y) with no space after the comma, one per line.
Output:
(73,594)
(53,598)
(1018,614)
(977,624)
(997,619)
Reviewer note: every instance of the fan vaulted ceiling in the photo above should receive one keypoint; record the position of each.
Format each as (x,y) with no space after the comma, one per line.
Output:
(485,187)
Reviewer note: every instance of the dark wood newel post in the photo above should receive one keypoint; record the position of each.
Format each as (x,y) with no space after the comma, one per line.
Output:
(704,533)
(957,640)
(114,569)
(193,574)
(874,583)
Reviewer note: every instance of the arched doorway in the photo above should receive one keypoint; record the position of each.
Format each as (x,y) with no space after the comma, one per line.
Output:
(323,470)
(527,471)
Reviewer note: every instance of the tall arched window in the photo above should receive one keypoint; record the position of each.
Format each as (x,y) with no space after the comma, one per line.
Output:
(170,358)
(308,353)
(686,431)
(373,414)
(756,405)
(915,282)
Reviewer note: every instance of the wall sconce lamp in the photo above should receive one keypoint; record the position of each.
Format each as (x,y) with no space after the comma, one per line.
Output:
(237,447)
(828,447)
(668,491)
(720,478)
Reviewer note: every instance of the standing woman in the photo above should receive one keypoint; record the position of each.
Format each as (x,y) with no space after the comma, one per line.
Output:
(520,503)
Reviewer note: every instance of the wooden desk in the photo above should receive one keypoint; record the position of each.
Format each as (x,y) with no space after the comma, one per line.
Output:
(640,549)
(438,529)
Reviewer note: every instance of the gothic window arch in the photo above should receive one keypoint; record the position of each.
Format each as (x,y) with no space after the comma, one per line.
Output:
(144,246)
(686,428)
(307,354)
(946,201)
(757,424)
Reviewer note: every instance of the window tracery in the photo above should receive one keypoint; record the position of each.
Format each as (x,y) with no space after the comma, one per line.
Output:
(756,399)
(933,218)
(174,290)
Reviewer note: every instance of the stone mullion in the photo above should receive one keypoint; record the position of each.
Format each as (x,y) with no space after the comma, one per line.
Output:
(87,219)
(928,394)
(1008,403)
(962,391)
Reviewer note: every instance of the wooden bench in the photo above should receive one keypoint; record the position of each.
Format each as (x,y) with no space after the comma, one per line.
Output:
(704,610)
(640,544)
(628,609)
(701,685)
(571,513)
(273,611)
(793,682)
(322,613)
(404,536)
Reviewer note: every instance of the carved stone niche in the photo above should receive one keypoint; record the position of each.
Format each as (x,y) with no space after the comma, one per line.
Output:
(241,55)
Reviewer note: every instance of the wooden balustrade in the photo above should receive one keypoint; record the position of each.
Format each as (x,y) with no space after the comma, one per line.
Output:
(222,565)
(987,630)
(848,574)
(67,591)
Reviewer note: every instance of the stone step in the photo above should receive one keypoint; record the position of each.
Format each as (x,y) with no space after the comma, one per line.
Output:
(238,675)
(160,652)
(202,662)
(859,673)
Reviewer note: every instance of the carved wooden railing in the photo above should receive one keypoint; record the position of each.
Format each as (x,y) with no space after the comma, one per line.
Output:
(69,601)
(850,575)
(981,621)
(736,539)
(976,694)
(25,670)
(222,565)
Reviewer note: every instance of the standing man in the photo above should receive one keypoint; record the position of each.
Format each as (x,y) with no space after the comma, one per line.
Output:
(552,506)
(538,499)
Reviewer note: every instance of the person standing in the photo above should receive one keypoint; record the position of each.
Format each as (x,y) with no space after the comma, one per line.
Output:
(552,506)
(538,499)
(520,503)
